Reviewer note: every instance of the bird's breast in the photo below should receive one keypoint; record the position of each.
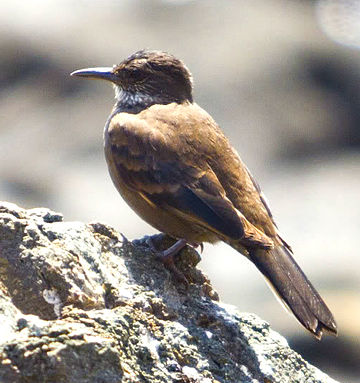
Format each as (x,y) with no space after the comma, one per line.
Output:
(162,219)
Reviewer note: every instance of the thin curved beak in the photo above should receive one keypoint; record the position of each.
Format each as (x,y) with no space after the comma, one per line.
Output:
(101,73)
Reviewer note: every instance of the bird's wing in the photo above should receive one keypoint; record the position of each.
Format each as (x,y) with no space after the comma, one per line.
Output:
(160,164)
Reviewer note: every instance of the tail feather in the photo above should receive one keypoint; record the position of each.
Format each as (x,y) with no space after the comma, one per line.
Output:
(294,289)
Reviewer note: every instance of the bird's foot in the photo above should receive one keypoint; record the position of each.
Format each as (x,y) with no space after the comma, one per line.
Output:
(167,257)
(196,245)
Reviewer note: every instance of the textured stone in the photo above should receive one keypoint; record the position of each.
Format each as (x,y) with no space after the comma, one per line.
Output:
(79,303)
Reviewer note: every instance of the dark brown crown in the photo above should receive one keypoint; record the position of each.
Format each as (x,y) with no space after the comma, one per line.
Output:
(155,73)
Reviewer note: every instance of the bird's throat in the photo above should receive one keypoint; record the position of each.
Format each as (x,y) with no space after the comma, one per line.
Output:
(134,101)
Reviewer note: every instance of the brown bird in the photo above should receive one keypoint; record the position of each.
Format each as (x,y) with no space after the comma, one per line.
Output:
(174,166)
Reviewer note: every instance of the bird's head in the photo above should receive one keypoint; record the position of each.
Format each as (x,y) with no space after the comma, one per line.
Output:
(146,75)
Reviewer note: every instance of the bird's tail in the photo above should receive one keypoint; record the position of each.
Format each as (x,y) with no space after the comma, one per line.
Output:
(294,289)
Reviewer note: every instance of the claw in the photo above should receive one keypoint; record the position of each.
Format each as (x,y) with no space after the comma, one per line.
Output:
(167,257)
(124,239)
(169,263)
(195,245)
(150,243)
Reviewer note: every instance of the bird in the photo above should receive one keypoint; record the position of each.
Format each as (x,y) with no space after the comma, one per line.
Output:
(177,170)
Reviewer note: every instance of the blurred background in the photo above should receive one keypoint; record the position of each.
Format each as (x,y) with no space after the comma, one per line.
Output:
(282,79)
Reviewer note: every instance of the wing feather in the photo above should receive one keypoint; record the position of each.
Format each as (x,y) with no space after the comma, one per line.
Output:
(151,160)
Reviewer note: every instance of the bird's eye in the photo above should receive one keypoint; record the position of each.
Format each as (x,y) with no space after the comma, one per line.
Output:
(135,73)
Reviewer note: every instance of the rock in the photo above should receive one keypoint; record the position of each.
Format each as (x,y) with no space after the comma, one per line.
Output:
(79,303)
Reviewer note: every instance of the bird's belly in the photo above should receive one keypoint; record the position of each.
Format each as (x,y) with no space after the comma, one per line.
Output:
(161,219)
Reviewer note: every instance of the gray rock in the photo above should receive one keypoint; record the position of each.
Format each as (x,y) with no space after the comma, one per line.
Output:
(79,303)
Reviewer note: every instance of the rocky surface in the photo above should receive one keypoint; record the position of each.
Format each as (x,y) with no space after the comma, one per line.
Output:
(80,303)
(284,93)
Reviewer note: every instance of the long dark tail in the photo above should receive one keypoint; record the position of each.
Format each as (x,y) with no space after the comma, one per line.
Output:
(294,289)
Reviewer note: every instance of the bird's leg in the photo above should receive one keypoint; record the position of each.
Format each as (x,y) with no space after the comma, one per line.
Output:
(174,249)
(167,257)
(169,252)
